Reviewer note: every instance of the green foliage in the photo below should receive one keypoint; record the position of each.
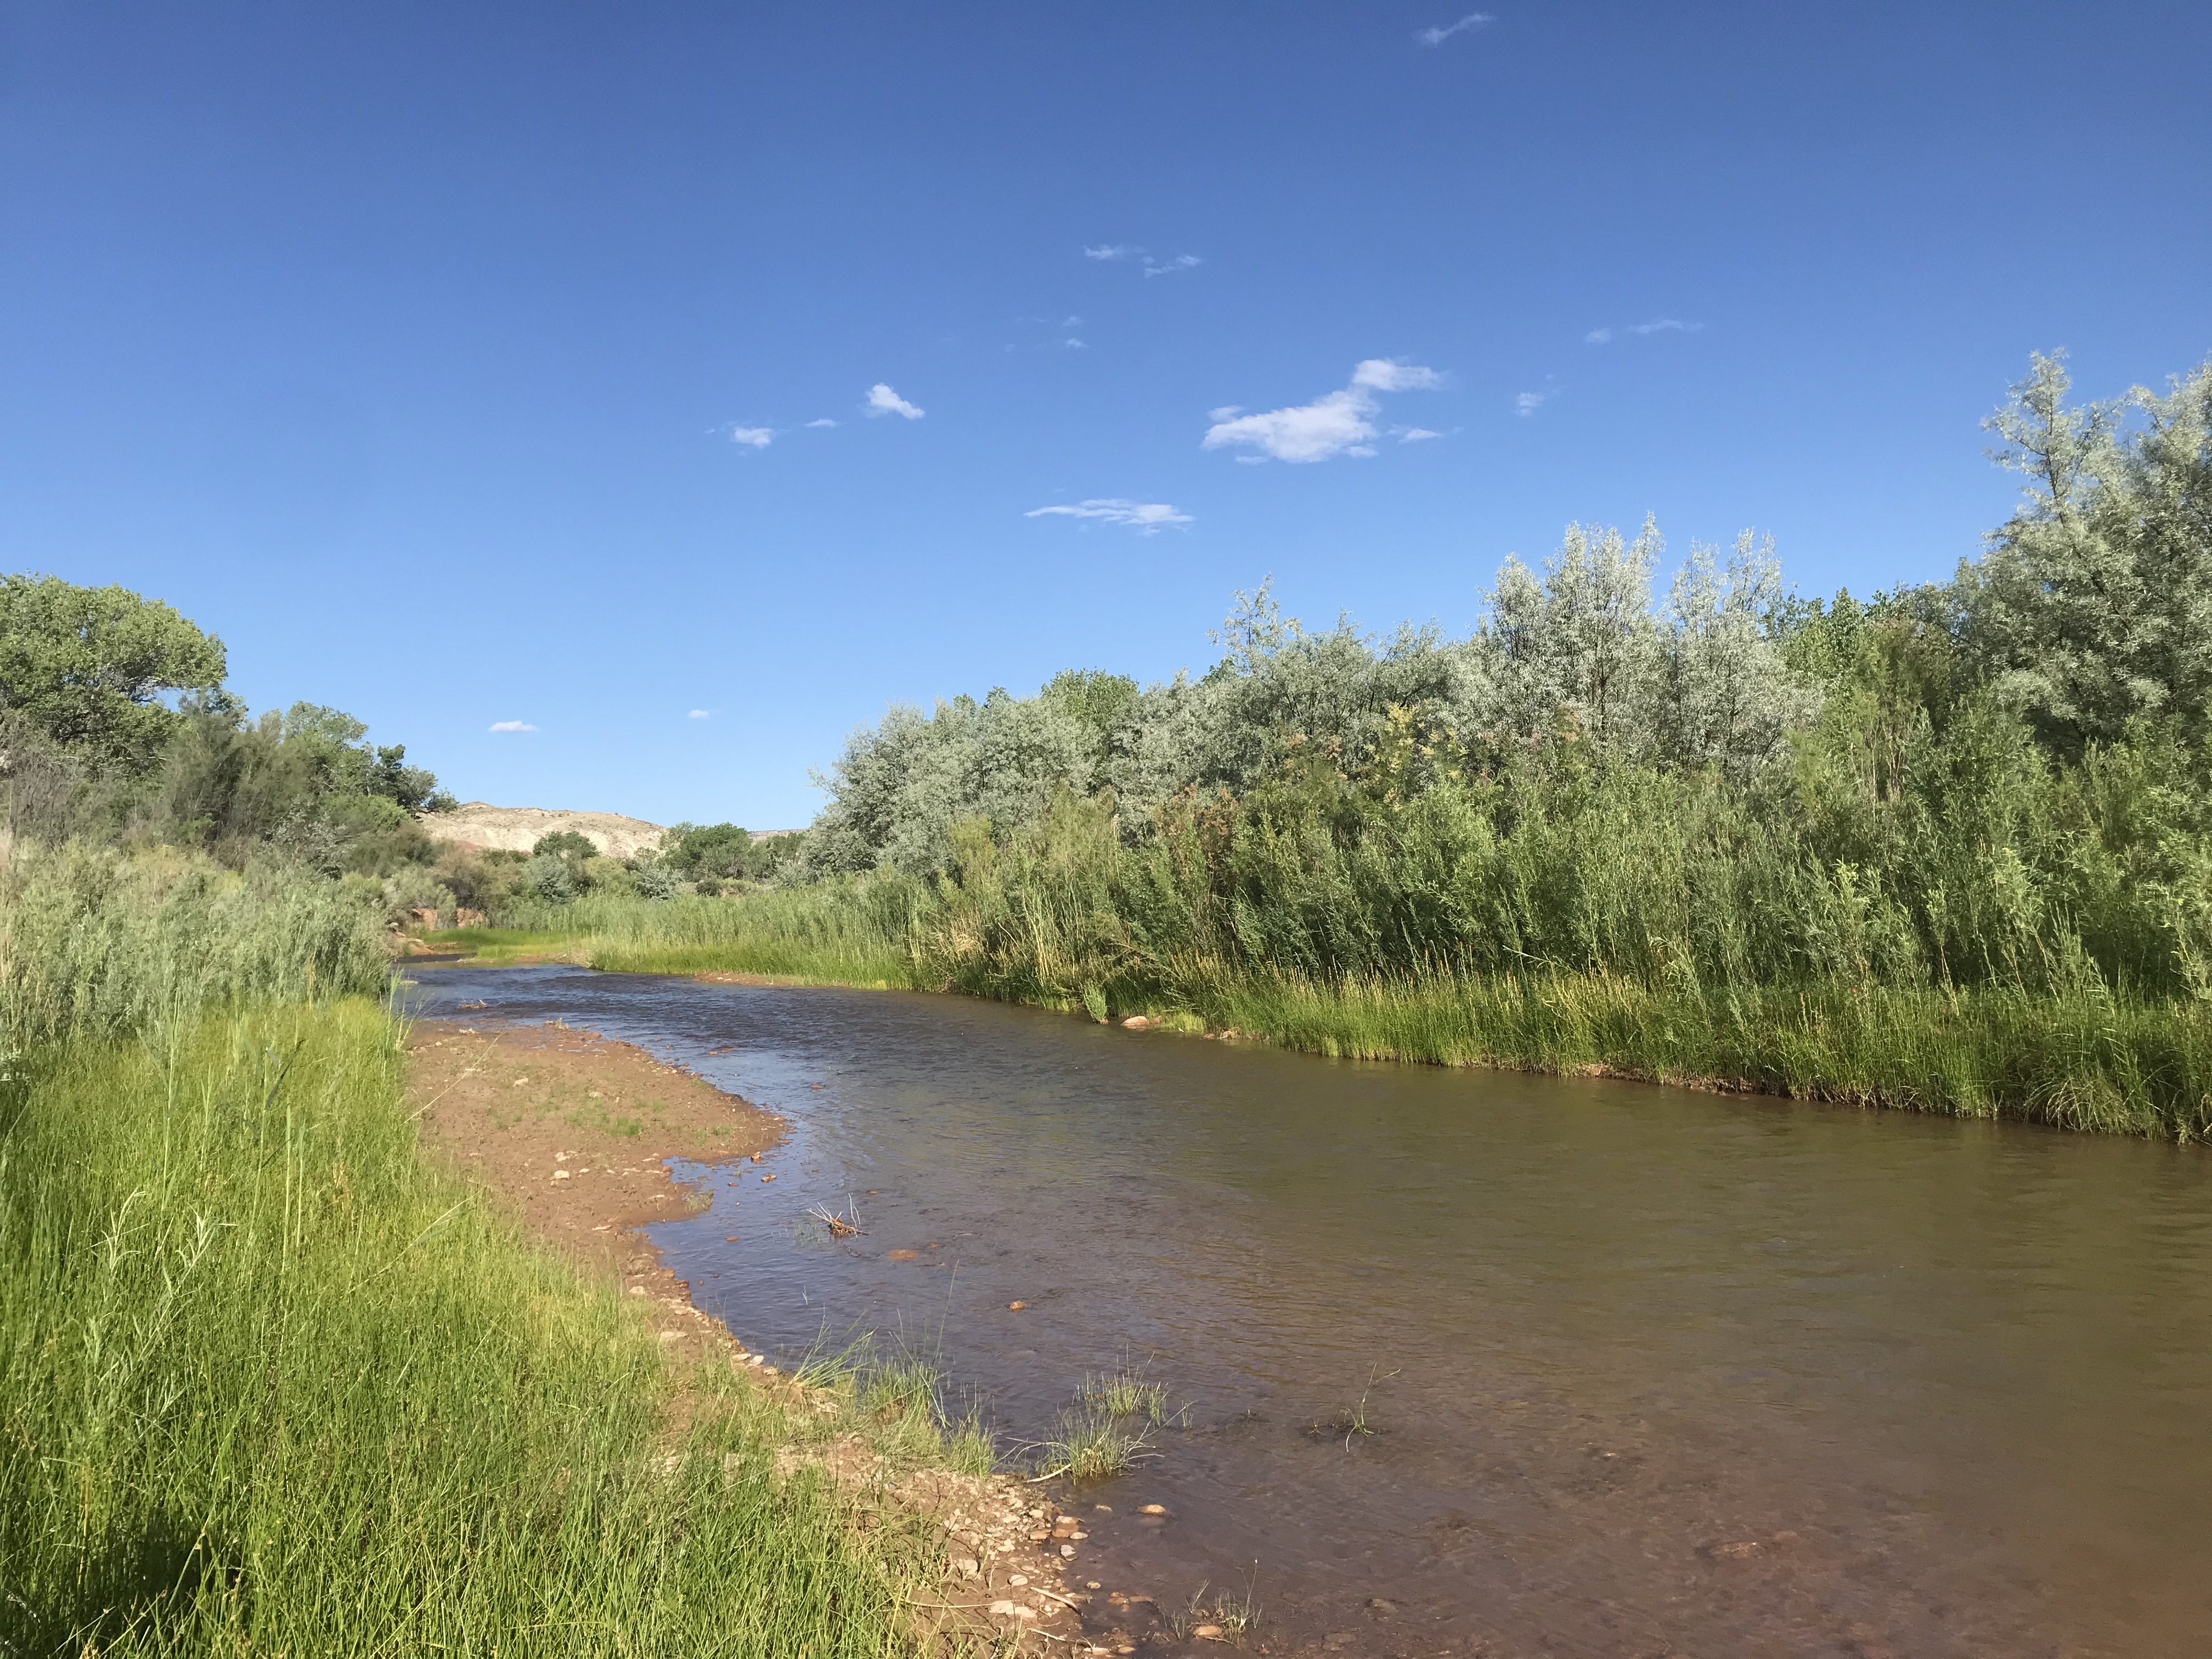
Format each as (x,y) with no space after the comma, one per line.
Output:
(270,1382)
(1093,698)
(99,942)
(657,880)
(550,879)
(716,852)
(301,781)
(88,749)
(1090,1443)
(711,849)
(87,666)
(565,844)
(2093,608)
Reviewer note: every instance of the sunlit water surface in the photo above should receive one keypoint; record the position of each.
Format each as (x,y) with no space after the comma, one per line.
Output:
(1647,1372)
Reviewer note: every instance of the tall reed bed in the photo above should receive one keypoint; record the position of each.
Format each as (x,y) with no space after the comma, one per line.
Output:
(270,1383)
(97,943)
(1097,927)
(835,932)
(2077,1060)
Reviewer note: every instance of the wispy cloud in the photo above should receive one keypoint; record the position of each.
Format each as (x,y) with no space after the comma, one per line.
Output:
(824,420)
(1151,267)
(882,400)
(512,725)
(1436,35)
(1417,435)
(1336,424)
(1528,402)
(1144,517)
(698,714)
(753,437)
(1658,325)
(1387,375)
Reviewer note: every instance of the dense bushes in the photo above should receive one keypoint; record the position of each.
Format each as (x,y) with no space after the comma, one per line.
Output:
(1735,788)
(115,730)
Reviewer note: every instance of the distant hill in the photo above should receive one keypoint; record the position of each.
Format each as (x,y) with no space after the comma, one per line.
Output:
(516,828)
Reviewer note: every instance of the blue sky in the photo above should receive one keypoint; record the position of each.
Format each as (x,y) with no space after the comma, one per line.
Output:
(463,365)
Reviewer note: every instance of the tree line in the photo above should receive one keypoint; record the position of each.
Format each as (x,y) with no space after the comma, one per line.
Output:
(1998,778)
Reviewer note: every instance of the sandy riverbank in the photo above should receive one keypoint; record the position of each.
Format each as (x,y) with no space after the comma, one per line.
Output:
(571,1132)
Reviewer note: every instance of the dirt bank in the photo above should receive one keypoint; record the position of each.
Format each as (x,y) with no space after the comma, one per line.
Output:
(573,1132)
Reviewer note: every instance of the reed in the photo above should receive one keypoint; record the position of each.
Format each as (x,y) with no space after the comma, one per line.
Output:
(834,933)
(2072,1052)
(1125,1392)
(268,1382)
(1089,1444)
(97,943)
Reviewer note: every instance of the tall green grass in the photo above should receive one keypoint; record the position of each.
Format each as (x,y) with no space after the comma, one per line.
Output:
(98,943)
(2075,1059)
(836,932)
(2070,1051)
(270,1383)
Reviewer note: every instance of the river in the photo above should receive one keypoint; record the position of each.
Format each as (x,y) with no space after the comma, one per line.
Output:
(1645,1371)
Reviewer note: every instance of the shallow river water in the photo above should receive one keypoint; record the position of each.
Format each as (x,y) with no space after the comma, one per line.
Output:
(1647,1372)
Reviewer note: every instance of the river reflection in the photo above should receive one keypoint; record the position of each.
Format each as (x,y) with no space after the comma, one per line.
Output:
(1649,1372)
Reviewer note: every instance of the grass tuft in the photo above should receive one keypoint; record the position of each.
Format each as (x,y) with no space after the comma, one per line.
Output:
(1126,1392)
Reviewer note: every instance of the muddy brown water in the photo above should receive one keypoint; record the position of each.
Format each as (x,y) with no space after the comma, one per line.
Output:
(1646,1372)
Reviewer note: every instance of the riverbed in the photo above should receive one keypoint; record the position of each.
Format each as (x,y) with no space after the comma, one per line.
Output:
(1481,1362)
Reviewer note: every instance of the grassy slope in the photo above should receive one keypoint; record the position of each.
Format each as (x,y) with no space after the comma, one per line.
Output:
(267,1381)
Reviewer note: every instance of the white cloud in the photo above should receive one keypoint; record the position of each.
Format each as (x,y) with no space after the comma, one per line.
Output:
(753,437)
(882,400)
(1436,35)
(1125,250)
(697,714)
(1529,402)
(1656,325)
(1145,517)
(1074,344)
(1387,375)
(824,420)
(1417,435)
(1225,412)
(1337,423)
(512,725)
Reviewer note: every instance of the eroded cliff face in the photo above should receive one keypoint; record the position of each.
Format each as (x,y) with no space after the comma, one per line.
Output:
(517,828)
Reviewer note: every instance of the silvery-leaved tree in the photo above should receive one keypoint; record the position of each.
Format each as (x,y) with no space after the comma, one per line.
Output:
(2093,606)
(1726,697)
(1578,651)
